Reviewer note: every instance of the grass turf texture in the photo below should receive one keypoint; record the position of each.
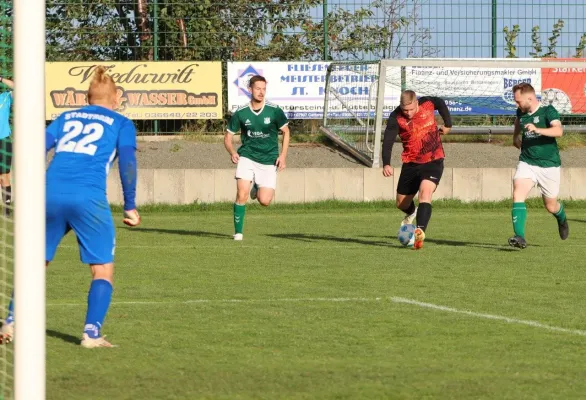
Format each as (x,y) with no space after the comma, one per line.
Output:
(173,346)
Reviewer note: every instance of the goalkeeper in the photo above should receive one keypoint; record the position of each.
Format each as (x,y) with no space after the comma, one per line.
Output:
(86,142)
(423,155)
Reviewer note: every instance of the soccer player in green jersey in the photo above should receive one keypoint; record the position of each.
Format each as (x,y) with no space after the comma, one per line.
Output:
(536,129)
(259,123)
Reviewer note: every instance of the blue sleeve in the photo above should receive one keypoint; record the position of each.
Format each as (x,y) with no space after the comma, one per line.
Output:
(51,134)
(127,164)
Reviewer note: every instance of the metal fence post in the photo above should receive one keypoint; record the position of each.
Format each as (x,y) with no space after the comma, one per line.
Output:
(156,48)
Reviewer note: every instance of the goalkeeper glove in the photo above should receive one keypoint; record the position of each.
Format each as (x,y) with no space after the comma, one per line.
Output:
(131,218)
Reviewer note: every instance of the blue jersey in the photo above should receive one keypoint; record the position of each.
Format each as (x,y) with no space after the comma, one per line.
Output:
(86,142)
(5,104)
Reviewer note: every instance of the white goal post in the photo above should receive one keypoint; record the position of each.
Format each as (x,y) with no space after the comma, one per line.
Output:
(360,95)
(29,199)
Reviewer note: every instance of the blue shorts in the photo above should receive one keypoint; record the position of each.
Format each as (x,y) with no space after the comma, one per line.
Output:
(91,221)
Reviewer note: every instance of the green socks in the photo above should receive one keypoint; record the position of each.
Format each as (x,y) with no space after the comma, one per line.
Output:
(519,215)
(239,211)
(561,214)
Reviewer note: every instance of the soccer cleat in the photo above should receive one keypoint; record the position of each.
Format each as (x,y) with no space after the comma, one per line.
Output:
(419,238)
(564,229)
(90,343)
(131,217)
(238,236)
(7,333)
(253,191)
(408,220)
(517,241)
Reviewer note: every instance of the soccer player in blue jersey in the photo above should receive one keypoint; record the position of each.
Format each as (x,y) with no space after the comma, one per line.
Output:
(86,142)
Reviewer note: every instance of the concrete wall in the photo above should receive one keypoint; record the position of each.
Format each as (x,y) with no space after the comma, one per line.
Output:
(184,186)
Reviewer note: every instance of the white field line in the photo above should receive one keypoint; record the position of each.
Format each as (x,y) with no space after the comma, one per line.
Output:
(510,320)
(399,300)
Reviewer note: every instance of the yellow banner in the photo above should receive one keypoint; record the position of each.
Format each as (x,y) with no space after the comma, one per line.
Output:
(146,90)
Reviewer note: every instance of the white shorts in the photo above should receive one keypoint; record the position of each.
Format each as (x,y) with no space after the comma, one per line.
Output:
(547,179)
(264,175)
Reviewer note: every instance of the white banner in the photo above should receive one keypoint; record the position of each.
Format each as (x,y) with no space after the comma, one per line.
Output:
(299,88)
(473,91)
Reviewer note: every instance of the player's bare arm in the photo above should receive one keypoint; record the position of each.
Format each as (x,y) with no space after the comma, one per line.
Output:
(7,82)
(230,147)
(555,129)
(391,132)
(281,162)
(517,134)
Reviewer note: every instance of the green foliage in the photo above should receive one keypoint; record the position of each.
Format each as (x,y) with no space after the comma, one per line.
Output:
(581,46)
(260,30)
(553,39)
(536,42)
(510,39)
(5,38)
(396,35)
(85,31)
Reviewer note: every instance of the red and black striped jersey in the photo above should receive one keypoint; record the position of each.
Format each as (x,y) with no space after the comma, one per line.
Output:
(419,135)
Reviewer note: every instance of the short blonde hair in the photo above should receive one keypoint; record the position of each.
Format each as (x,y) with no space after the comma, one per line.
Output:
(408,97)
(102,85)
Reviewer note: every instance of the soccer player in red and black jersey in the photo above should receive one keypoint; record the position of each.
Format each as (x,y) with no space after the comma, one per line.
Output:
(423,155)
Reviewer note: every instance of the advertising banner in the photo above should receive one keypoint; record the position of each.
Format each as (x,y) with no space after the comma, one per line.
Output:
(473,91)
(146,90)
(564,88)
(299,88)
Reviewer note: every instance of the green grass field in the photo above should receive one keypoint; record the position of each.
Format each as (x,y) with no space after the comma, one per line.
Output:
(321,302)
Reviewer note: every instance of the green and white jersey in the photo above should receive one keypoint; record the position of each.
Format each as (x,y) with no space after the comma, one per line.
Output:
(259,131)
(539,150)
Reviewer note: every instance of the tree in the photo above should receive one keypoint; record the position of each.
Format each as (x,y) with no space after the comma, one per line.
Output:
(556,32)
(359,35)
(84,31)
(6,61)
(231,30)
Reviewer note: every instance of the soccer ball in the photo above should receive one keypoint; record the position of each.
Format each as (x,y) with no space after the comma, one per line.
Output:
(406,235)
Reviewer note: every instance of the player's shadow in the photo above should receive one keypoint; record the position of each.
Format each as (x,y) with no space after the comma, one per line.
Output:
(183,232)
(458,243)
(577,220)
(63,336)
(310,238)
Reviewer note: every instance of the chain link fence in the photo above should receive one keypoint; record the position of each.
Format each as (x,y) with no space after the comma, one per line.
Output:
(303,30)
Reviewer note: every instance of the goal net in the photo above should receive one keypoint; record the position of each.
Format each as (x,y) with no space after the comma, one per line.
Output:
(6,219)
(478,92)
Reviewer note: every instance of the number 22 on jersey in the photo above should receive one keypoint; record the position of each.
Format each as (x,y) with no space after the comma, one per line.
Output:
(73,129)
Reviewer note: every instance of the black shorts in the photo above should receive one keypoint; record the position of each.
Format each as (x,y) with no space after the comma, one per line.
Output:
(413,174)
(5,155)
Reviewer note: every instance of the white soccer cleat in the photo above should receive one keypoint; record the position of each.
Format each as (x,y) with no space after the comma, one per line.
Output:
(408,220)
(90,343)
(238,236)
(7,333)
